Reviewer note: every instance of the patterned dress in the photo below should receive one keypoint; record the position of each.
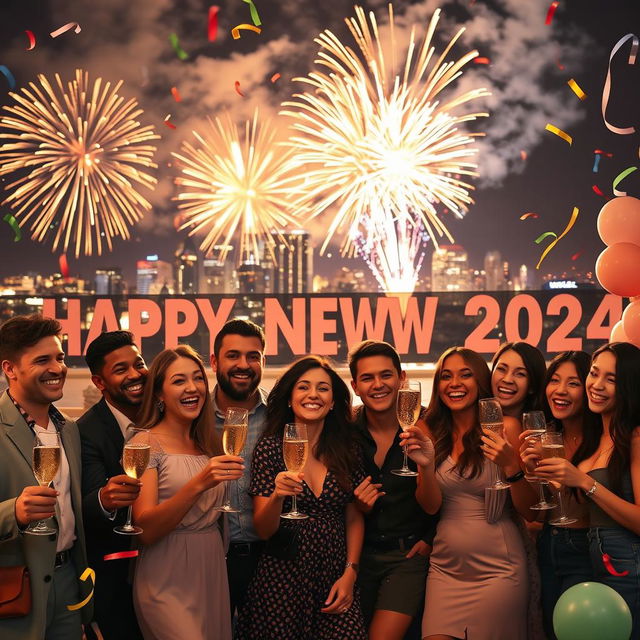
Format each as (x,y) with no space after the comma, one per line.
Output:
(287,593)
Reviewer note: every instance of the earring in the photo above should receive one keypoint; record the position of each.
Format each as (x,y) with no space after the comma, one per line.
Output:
(160,405)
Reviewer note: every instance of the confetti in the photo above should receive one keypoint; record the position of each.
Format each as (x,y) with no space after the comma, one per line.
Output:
(596,163)
(575,256)
(169,124)
(620,177)
(552,9)
(523,154)
(67,27)
(64,265)
(121,554)
(235,32)
(212,28)
(9,76)
(481,60)
(559,132)
(526,216)
(176,94)
(87,573)
(559,65)
(275,76)
(597,190)
(607,84)
(606,560)
(32,39)
(175,43)
(13,223)
(237,85)
(254,12)
(604,153)
(546,234)
(576,89)
(572,221)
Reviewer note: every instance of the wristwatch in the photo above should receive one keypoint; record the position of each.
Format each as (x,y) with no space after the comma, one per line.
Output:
(354,565)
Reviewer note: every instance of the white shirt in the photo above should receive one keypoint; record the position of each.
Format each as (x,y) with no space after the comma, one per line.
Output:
(62,484)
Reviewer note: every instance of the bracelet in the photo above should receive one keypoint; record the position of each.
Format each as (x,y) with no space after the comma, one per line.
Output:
(592,490)
(353,565)
(515,477)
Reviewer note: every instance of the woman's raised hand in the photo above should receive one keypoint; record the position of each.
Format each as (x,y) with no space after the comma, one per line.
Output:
(220,469)
(288,483)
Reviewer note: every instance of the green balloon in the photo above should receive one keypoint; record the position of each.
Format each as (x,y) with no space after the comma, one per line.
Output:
(591,611)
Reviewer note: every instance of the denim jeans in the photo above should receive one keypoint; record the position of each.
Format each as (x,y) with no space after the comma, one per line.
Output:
(623,547)
(564,561)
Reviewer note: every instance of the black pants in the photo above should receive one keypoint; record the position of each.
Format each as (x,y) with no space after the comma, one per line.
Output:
(242,560)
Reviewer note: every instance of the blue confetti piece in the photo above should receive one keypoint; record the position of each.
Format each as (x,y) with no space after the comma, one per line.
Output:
(9,76)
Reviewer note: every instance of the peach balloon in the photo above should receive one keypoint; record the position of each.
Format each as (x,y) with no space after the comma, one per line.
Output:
(618,334)
(618,269)
(631,322)
(619,221)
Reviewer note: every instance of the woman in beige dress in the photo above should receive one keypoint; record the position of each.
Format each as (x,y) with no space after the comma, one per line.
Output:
(477,587)
(180,585)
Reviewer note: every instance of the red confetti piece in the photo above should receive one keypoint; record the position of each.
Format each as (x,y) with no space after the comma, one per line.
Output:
(213,23)
(560,65)
(606,559)
(481,60)
(176,94)
(526,216)
(552,9)
(523,154)
(169,124)
(121,554)
(237,85)
(67,27)
(597,190)
(64,266)
(32,39)
(604,153)
(575,256)
(275,76)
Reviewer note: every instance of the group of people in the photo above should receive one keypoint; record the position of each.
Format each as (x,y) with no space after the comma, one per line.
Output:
(439,555)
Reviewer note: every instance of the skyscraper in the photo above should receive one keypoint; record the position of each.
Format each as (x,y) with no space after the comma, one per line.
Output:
(494,271)
(250,277)
(219,275)
(450,269)
(109,282)
(186,267)
(294,262)
(154,276)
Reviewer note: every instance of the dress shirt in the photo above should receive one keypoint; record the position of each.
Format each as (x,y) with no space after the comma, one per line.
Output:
(241,524)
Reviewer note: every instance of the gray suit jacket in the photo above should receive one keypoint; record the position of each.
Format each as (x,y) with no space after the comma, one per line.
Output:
(37,552)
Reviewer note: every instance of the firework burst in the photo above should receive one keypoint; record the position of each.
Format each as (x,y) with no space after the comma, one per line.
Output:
(81,153)
(377,142)
(233,185)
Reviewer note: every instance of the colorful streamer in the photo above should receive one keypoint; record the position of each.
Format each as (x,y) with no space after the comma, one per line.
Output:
(576,89)
(175,43)
(552,9)
(596,163)
(238,91)
(121,554)
(559,132)
(606,91)
(169,124)
(64,265)
(176,94)
(32,39)
(64,28)
(9,76)
(254,12)
(13,223)
(546,234)
(606,559)
(604,153)
(275,76)
(87,573)
(597,190)
(572,221)
(620,177)
(235,32)
(212,28)
(526,216)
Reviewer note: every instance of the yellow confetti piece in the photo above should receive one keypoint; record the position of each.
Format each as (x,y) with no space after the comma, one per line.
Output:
(576,89)
(559,132)
(235,32)
(572,221)
(87,573)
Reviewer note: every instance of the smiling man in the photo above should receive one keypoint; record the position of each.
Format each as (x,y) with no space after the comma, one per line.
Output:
(33,364)
(237,360)
(119,372)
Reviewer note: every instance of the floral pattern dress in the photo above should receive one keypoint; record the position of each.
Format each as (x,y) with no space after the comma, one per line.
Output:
(301,562)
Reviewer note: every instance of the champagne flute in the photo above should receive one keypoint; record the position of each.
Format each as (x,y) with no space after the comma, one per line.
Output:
(46,462)
(408,411)
(553,447)
(295,448)
(135,459)
(234,435)
(490,417)
(536,422)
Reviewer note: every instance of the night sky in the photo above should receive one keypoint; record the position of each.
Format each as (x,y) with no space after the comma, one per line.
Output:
(128,40)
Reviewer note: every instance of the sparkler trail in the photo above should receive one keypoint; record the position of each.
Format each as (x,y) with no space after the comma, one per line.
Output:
(80,153)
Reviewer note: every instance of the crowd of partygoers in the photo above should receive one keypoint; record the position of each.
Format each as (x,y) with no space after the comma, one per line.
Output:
(518,480)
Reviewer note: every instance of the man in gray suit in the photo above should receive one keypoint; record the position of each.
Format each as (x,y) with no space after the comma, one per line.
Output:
(33,363)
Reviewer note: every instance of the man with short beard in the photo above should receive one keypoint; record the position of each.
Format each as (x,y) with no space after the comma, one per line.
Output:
(119,372)
(237,360)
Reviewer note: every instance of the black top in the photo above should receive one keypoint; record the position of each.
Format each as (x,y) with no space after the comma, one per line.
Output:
(396,514)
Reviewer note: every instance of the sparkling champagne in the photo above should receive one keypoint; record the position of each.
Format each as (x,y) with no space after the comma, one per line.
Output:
(135,459)
(46,461)
(553,450)
(233,438)
(536,433)
(408,407)
(495,427)
(295,454)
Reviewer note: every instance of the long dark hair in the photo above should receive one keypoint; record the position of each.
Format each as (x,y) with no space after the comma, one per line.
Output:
(336,443)
(534,364)
(626,413)
(591,422)
(202,430)
(440,420)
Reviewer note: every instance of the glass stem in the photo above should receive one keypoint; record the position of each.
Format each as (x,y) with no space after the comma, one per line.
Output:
(127,524)
(563,515)
(294,505)
(227,498)
(541,490)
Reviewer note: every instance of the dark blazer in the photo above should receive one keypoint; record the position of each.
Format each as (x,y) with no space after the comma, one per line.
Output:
(102,444)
